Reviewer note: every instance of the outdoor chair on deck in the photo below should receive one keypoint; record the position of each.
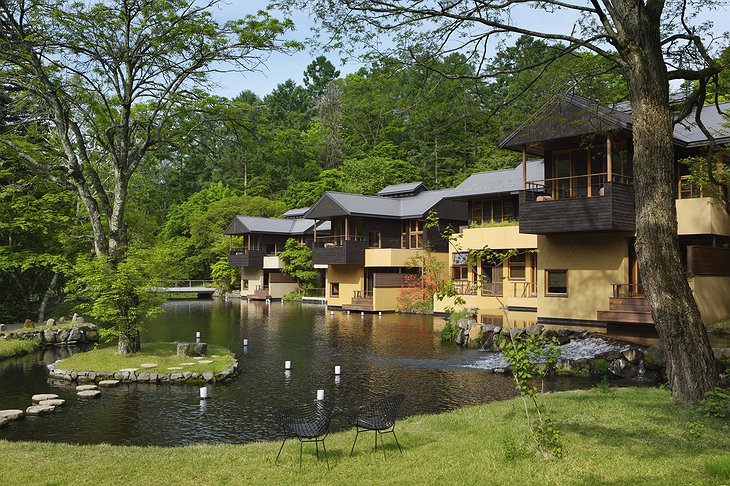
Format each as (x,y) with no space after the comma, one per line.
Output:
(308,423)
(378,416)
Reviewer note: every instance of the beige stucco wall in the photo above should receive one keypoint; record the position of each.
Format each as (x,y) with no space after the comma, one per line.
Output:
(702,216)
(350,278)
(594,262)
(273,263)
(397,257)
(255,277)
(503,237)
(385,299)
(712,295)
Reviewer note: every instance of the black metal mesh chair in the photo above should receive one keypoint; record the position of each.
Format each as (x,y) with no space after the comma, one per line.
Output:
(308,423)
(378,416)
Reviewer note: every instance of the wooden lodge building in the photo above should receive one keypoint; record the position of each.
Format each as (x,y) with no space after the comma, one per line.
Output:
(571,210)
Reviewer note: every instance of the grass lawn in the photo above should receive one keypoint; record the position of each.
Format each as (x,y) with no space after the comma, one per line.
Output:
(16,347)
(624,437)
(163,354)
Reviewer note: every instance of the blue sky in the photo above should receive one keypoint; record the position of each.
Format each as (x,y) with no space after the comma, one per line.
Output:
(280,67)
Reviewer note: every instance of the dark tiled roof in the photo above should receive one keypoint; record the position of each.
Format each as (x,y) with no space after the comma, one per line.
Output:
(497,181)
(295,213)
(252,224)
(333,204)
(403,189)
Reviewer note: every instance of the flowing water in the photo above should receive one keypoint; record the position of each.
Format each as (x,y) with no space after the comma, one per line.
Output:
(378,355)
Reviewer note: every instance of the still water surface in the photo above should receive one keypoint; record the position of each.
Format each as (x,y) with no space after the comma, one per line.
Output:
(392,353)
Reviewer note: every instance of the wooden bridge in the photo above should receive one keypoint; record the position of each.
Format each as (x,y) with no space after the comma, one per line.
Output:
(202,288)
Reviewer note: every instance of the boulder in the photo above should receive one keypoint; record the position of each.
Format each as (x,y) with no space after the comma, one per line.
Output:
(182,349)
(198,349)
(654,358)
(534,330)
(28,324)
(43,396)
(143,376)
(11,415)
(632,355)
(465,323)
(623,368)
(62,336)
(474,334)
(51,322)
(208,376)
(61,320)
(39,409)
(74,334)
(49,336)
(92,336)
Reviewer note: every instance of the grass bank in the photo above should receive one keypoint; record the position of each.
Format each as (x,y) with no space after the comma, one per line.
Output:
(628,436)
(106,360)
(10,348)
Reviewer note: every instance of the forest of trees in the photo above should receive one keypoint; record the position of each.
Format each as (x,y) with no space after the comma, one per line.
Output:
(389,123)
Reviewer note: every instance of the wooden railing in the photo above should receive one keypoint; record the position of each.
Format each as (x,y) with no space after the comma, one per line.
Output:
(243,251)
(335,241)
(185,283)
(627,291)
(589,185)
(362,294)
(466,288)
(524,290)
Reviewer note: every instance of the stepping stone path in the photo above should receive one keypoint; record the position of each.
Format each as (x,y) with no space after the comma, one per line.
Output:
(128,370)
(11,415)
(206,361)
(175,368)
(43,396)
(57,402)
(39,409)
(86,388)
(199,357)
(213,355)
(109,383)
(89,394)
(148,365)
(187,364)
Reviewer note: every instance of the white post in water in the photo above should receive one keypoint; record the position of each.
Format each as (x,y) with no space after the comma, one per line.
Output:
(197,337)
(348,313)
(204,393)
(332,313)
(337,370)
(245,342)
(380,314)
(362,314)
(320,394)
(287,365)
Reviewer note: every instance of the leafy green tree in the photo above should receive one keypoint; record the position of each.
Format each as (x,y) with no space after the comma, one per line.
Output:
(117,295)
(371,174)
(298,263)
(319,73)
(107,77)
(304,194)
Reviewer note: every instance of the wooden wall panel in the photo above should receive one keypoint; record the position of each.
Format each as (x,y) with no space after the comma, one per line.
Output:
(703,260)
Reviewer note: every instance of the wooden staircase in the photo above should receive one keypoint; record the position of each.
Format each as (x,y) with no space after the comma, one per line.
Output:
(627,310)
(359,304)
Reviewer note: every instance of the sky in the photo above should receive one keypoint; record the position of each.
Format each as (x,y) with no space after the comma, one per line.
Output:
(280,67)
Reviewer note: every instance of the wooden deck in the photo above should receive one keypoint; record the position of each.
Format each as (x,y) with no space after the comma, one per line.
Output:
(359,304)
(629,319)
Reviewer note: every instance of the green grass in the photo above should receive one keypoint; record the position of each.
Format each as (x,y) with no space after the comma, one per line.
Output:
(107,360)
(634,436)
(10,348)
(494,224)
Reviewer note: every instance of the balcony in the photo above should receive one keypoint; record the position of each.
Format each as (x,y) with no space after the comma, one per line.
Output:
(580,204)
(336,250)
(246,257)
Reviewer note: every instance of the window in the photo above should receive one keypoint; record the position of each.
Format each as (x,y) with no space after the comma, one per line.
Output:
(460,268)
(556,282)
(244,284)
(334,289)
(495,209)
(517,267)
(374,239)
(415,233)
(253,242)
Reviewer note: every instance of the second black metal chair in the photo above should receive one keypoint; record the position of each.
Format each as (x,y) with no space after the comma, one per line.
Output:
(308,423)
(378,416)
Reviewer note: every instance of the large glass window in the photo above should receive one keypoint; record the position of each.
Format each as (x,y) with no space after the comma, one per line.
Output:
(494,209)
(334,289)
(517,266)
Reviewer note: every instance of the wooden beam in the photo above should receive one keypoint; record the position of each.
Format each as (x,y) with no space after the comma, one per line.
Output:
(524,167)
(609,158)
(315,231)
(347,229)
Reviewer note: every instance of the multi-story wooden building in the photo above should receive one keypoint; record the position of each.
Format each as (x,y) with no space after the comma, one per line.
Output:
(255,244)
(375,240)
(577,209)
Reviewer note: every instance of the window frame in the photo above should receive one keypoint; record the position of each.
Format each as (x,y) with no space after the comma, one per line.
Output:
(547,282)
(333,286)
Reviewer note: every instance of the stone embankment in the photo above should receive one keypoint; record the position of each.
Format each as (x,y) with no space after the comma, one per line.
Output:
(144,375)
(79,332)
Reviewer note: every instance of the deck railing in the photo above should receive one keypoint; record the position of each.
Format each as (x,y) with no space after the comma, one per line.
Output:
(362,294)
(335,241)
(185,283)
(574,186)
(627,291)
(524,290)
(243,251)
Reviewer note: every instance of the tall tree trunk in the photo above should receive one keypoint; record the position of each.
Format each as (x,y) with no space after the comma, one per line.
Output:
(690,363)
(129,342)
(47,297)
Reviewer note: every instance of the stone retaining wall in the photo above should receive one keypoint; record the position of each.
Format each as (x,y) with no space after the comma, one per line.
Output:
(142,376)
(69,336)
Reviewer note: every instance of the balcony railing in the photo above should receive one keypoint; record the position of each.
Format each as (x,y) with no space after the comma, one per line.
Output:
(362,294)
(627,291)
(573,186)
(335,241)
(243,251)
(524,290)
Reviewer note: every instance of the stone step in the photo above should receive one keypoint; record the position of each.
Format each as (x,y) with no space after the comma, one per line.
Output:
(86,388)
(109,383)
(11,414)
(57,402)
(39,409)
(89,394)
(43,396)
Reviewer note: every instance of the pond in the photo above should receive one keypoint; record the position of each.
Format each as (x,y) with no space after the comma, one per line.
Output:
(377,355)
